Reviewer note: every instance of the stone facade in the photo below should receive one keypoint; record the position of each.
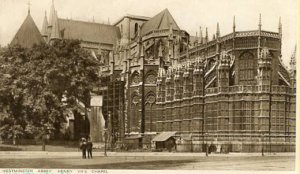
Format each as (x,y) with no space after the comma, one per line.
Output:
(229,90)
(233,89)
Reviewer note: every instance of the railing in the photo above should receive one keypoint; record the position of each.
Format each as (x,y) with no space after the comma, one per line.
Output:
(250,89)
(247,33)
(270,34)
(230,36)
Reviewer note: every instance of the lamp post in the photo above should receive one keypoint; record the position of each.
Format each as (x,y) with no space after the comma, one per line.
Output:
(45,137)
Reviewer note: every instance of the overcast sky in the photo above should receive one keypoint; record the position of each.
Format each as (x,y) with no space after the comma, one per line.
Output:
(189,14)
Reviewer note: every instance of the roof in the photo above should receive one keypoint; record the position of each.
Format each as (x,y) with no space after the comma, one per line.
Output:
(88,31)
(163,136)
(162,20)
(142,18)
(137,17)
(28,34)
(133,137)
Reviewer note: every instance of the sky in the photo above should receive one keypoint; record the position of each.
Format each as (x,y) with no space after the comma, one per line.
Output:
(189,15)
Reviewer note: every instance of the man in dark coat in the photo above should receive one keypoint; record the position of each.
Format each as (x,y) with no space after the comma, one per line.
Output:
(83,148)
(89,148)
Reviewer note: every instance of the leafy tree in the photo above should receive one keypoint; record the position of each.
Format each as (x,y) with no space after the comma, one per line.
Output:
(33,83)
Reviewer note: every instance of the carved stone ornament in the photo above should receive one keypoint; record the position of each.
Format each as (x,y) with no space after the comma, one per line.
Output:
(135,99)
(150,99)
(151,79)
(135,79)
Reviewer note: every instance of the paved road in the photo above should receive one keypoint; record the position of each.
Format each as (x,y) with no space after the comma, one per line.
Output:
(161,161)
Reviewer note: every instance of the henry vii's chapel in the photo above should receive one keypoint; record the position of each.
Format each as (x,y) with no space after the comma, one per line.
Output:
(158,81)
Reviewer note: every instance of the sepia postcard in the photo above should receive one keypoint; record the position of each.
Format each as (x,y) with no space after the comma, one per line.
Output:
(111,86)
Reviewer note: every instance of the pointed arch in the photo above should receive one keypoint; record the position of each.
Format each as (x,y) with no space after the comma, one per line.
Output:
(151,77)
(134,115)
(150,111)
(135,78)
(150,97)
(246,68)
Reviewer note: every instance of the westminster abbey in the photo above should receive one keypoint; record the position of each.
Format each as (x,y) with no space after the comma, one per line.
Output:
(159,82)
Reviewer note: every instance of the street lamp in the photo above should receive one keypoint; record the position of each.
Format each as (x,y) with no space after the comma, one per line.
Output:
(45,137)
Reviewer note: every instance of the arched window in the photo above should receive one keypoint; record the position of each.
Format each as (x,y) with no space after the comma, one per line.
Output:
(136,28)
(135,114)
(246,69)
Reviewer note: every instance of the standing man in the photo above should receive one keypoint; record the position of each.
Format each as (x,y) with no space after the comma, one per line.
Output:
(89,148)
(83,148)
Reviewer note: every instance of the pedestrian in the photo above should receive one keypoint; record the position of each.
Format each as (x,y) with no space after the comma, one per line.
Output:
(89,148)
(83,148)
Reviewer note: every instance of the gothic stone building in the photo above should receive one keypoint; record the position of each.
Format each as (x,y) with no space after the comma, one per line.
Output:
(232,91)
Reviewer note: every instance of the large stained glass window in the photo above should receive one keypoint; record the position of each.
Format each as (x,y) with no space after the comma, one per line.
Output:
(246,69)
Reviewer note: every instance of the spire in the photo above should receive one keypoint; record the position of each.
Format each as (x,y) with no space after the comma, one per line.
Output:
(206,36)
(280,28)
(259,22)
(108,22)
(55,28)
(28,6)
(200,36)
(293,59)
(233,24)
(52,13)
(45,26)
(218,30)
(293,70)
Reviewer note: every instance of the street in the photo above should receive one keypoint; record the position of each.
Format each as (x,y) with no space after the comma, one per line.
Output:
(150,161)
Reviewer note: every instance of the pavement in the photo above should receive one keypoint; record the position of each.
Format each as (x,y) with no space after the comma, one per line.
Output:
(149,161)
(46,154)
